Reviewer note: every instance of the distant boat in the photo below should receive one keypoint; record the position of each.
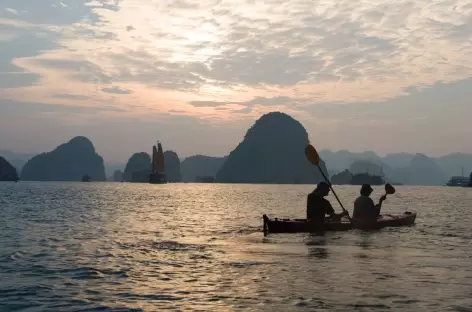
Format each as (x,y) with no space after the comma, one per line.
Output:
(365,178)
(157,175)
(204,179)
(86,178)
(458,181)
(345,177)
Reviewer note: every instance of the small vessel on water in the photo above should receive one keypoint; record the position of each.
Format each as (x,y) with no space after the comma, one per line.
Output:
(460,180)
(204,179)
(302,226)
(366,178)
(346,177)
(86,178)
(158,175)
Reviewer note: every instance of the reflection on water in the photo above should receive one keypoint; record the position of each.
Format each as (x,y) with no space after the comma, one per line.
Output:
(317,245)
(73,246)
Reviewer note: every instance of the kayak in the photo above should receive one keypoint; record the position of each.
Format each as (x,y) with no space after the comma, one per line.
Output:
(301,225)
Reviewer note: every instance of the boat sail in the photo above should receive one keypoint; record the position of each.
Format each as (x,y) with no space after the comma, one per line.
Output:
(158,167)
(159,159)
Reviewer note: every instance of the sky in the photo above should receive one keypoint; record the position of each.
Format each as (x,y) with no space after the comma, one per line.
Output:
(359,75)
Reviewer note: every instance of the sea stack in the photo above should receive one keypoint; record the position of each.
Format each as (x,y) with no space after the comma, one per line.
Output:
(272,151)
(67,162)
(7,171)
(157,175)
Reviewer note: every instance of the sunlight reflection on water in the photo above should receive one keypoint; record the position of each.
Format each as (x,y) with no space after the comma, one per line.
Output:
(69,246)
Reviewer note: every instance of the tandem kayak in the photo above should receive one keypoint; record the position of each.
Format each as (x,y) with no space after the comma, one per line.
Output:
(301,225)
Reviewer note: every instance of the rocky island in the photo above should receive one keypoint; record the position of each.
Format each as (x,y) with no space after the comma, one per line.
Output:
(272,151)
(196,167)
(67,162)
(7,171)
(138,168)
(172,167)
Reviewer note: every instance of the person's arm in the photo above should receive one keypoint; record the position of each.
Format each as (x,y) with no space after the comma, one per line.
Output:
(379,205)
(330,211)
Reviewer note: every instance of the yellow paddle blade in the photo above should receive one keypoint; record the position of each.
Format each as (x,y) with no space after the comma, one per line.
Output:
(312,155)
(389,189)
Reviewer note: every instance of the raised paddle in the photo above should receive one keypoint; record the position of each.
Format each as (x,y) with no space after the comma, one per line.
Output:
(389,189)
(312,155)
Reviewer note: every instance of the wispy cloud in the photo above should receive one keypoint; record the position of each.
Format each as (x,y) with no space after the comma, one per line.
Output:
(222,60)
(340,47)
(116,90)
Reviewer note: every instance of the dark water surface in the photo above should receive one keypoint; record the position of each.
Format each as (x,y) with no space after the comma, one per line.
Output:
(186,247)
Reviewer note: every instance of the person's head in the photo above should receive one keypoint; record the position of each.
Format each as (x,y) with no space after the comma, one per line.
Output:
(366,190)
(322,189)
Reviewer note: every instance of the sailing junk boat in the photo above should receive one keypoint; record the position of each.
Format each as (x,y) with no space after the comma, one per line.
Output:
(157,175)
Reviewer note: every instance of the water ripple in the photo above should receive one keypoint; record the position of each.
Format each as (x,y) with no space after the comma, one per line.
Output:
(199,247)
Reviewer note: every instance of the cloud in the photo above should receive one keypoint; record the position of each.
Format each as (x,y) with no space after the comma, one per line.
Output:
(77,97)
(262,101)
(207,103)
(21,43)
(273,44)
(64,12)
(222,60)
(278,100)
(116,90)
(421,116)
(28,108)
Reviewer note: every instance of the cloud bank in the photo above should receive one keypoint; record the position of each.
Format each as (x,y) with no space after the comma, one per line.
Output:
(223,62)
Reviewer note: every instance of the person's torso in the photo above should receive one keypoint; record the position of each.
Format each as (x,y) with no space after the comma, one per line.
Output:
(364,207)
(316,206)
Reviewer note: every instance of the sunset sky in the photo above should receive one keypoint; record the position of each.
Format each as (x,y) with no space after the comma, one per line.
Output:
(378,75)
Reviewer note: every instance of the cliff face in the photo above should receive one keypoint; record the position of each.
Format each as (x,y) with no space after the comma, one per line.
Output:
(68,162)
(273,151)
(7,171)
(118,176)
(172,166)
(342,178)
(422,170)
(15,159)
(200,166)
(137,162)
(343,159)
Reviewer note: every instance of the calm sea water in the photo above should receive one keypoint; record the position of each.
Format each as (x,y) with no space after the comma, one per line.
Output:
(187,247)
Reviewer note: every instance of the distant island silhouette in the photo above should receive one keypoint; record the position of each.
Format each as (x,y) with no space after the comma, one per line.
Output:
(68,162)
(138,168)
(346,177)
(401,168)
(271,152)
(172,166)
(196,167)
(7,171)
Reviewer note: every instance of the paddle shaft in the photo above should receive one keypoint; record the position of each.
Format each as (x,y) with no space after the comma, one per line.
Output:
(337,198)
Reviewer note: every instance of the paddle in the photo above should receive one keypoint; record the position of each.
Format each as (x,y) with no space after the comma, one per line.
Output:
(312,155)
(389,189)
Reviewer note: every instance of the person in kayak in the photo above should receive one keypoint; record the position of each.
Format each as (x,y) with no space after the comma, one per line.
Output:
(364,207)
(317,206)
